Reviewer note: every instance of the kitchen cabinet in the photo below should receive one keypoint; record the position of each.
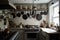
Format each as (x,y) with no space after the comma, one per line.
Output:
(49,36)
(21,35)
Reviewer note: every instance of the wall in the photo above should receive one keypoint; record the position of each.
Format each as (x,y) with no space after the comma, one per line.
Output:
(59,13)
(30,21)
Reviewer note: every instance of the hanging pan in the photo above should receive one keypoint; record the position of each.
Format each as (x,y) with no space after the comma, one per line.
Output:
(41,13)
(28,14)
(22,12)
(45,13)
(13,14)
(1,16)
(38,17)
(24,16)
(18,14)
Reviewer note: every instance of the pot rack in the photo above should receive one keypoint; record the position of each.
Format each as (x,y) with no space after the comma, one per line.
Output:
(30,7)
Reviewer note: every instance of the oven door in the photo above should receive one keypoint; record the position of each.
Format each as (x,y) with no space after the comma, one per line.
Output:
(31,36)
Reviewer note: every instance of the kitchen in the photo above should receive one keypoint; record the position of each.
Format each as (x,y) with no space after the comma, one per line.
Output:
(29,20)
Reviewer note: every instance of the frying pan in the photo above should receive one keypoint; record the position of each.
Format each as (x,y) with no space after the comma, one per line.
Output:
(45,13)
(1,16)
(41,13)
(18,14)
(24,16)
(38,17)
(28,14)
(4,21)
(12,13)
(22,12)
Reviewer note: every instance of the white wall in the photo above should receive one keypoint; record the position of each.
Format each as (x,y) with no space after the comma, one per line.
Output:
(30,21)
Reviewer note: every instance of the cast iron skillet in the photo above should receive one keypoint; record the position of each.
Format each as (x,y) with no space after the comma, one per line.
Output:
(41,13)
(22,12)
(38,17)
(24,16)
(18,14)
(1,16)
(45,13)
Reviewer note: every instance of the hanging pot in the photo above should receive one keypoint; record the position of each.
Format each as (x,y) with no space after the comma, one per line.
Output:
(25,16)
(41,13)
(22,12)
(38,17)
(18,14)
(28,14)
(1,16)
(33,13)
(5,21)
(45,13)
(14,15)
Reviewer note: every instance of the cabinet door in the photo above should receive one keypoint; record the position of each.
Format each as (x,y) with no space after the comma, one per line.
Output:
(54,37)
(22,35)
(44,36)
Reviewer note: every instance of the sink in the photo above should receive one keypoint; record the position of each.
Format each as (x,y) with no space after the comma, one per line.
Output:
(48,30)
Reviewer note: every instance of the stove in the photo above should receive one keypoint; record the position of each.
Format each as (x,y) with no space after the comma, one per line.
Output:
(31,33)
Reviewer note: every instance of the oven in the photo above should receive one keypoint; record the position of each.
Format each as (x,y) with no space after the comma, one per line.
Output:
(31,34)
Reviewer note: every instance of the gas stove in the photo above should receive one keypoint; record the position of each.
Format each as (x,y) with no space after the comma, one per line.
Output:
(31,33)
(32,29)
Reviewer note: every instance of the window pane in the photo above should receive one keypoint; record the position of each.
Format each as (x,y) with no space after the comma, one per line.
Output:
(56,20)
(56,10)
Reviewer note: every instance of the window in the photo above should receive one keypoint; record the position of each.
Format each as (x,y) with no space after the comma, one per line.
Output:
(54,13)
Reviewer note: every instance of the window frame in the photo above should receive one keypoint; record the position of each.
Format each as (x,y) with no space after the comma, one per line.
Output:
(51,11)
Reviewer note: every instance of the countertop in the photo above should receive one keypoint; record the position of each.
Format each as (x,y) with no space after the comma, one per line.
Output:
(50,31)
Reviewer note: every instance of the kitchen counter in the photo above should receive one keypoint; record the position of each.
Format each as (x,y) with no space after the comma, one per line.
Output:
(49,34)
(49,30)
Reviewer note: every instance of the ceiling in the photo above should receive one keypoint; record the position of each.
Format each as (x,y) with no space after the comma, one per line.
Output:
(29,1)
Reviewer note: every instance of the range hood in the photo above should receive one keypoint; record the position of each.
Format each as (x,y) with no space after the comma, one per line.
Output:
(5,4)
